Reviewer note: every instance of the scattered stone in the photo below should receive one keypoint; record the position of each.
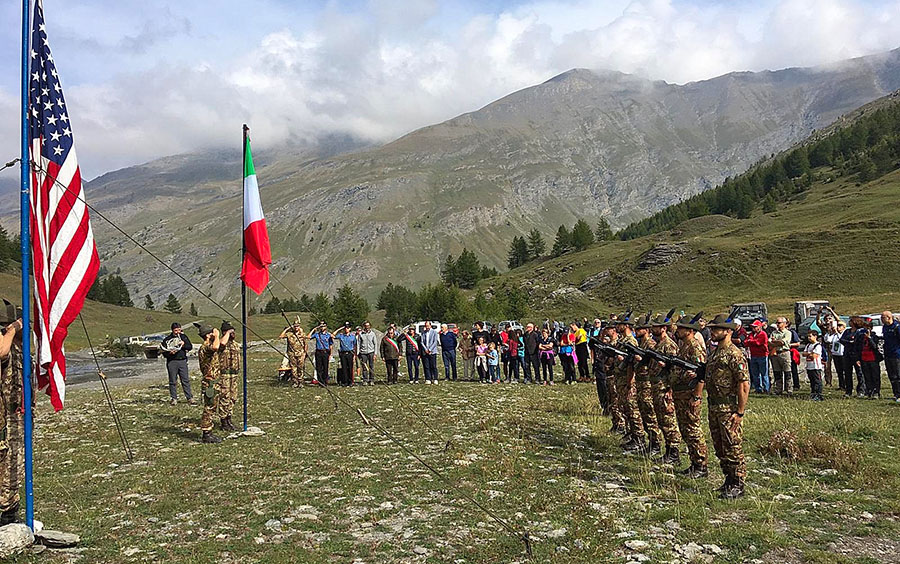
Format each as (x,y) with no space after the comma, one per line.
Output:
(131,551)
(783,497)
(557,533)
(673,525)
(253,432)
(56,539)
(38,549)
(273,525)
(828,472)
(561,548)
(866,515)
(14,538)
(421,550)
(771,472)
(566,293)
(637,545)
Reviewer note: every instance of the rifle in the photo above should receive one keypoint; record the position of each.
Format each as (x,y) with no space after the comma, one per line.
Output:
(670,361)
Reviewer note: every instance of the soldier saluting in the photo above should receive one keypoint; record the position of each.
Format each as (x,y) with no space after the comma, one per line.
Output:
(229,365)
(296,351)
(12,446)
(727,389)
(208,355)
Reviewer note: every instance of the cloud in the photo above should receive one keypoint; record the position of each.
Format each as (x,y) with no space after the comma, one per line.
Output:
(374,71)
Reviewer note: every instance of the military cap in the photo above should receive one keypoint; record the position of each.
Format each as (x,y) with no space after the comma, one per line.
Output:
(205,330)
(692,323)
(9,313)
(625,319)
(723,321)
(663,320)
(643,322)
(226,326)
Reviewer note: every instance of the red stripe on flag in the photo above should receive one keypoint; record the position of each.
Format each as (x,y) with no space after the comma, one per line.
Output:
(257,256)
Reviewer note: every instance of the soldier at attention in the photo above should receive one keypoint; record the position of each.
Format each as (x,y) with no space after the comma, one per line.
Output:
(663,404)
(209,383)
(230,366)
(727,389)
(687,390)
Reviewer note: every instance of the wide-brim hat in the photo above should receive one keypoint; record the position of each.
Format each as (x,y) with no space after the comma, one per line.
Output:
(226,326)
(661,320)
(643,322)
(205,330)
(625,319)
(692,323)
(723,321)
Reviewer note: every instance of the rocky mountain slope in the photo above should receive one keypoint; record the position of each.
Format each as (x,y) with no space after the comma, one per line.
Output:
(584,144)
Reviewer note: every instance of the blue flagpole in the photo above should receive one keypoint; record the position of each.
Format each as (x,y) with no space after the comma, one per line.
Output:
(25,205)
(243,285)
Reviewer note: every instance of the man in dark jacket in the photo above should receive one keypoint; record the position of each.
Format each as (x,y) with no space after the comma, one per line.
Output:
(449,342)
(174,349)
(890,338)
(532,353)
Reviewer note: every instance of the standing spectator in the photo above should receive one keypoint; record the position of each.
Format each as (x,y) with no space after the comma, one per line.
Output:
(780,344)
(512,355)
(493,362)
(890,336)
(851,356)
(813,354)
(827,325)
(567,357)
(390,353)
(449,344)
(481,364)
(835,352)
(467,352)
(480,332)
(581,351)
(413,346)
(795,356)
(706,334)
(175,350)
(758,344)
(367,353)
(346,353)
(324,344)
(546,345)
(595,339)
(430,341)
(868,358)
(504,351)
(532,353)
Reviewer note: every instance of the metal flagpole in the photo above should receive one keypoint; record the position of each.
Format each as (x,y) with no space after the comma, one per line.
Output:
(24,235)
(243,284)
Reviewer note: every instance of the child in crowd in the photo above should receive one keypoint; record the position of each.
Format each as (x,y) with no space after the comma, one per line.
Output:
(493,363)
(813,354)
(546,346)
(567,356)
(481,364)
(513,353)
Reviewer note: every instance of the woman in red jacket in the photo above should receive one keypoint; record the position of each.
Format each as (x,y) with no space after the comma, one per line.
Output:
(758,343)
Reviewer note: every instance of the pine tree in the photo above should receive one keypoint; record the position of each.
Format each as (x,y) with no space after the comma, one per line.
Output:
(448,271)
(536,245)
(172,304)
(273,305)
(582,236)
(349,306)
(468,269)
(148,302)
(603,232)
(563,242)
(769,205)
(518,253)
(193,310)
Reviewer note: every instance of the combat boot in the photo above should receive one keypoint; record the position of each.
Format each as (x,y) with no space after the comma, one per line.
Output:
(671,457)
(637,446)
(697,472)
(11,515)
(654,448)
(209,438)
(733,491)
(725,485)
(227,425)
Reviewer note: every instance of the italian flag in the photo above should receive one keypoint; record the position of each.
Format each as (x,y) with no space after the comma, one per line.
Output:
(257,255)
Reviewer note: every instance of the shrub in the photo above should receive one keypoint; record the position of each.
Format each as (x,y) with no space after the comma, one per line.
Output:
(813,447)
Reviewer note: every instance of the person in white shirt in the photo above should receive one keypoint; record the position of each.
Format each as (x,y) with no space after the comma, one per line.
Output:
(813,354)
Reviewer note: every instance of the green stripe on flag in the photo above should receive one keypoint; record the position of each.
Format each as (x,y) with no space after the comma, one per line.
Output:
(249,170)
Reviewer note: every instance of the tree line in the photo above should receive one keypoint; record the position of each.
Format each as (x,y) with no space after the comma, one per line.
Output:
(465,271)
(448,304)
(523,250)
(869,148)
(346,305)
(9,250)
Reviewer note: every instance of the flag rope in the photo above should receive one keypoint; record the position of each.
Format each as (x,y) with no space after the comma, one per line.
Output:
(522,535)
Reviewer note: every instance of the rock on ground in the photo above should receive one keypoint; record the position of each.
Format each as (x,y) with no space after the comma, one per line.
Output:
(56,539)
(14,538)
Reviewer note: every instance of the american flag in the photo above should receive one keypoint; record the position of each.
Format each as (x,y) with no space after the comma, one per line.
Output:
(62,242)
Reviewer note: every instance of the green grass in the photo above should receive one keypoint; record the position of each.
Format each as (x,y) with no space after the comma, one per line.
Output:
(836,241)
(539,457)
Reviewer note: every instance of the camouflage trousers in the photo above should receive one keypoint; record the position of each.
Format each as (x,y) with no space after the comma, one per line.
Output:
(728,445)
(298,368)
(209,391)
(688,413)
(629,406)
(12,460)
(228,391)
(664,407)
(644,393)
(615,408)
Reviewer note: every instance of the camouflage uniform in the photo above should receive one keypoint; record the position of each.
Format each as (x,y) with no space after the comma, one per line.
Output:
(229,367)
(626,392)
(663,404)
(615,401)
(688,412)
(296,353)
(209,385)
(644,394)
(726,369)
(12,445)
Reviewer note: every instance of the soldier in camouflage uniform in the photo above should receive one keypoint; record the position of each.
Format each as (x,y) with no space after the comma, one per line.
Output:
(727,389)
(611,337)
(296,352)
(230,367)
(663,404)
(625,390)
(12,445)
(686,390)
(643,387)
(208,355)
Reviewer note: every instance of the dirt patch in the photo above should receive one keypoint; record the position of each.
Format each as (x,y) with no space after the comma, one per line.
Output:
(876,548)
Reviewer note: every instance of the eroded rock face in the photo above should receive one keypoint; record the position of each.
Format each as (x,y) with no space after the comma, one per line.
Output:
(662,254)
(594,281)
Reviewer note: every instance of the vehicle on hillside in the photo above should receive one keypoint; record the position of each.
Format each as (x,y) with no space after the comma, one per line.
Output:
(510,325)
(808,308)
(749,312)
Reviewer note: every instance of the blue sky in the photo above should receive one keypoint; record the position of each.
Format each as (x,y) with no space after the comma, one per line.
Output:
(144,79)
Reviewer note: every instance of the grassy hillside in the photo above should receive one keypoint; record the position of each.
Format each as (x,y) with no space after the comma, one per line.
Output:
(837,240)
(104,320)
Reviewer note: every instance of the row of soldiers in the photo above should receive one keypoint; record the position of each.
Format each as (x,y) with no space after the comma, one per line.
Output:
(652,402)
